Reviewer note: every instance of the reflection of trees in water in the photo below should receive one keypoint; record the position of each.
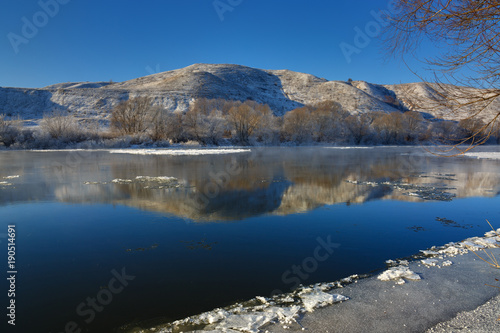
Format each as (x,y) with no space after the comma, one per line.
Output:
(277,181)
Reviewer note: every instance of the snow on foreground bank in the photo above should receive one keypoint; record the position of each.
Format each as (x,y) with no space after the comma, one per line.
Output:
(179,152)
(251,316)
(437,257)
(285,310)
(484,155)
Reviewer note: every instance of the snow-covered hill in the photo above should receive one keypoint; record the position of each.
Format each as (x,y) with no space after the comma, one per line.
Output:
(282,90)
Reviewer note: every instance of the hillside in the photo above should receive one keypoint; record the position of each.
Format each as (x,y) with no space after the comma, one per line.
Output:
(282,90)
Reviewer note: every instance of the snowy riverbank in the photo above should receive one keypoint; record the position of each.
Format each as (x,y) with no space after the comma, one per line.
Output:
(407,297)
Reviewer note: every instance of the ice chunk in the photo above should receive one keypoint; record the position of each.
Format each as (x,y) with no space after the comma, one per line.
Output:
(429,253)
(285,315)
(491,233)
(11,177)
(161,179)
(178,152)
(121,181)
(446,263)
(451,250)
(472,246)
(398,274)
(487,242)
(213,316)
(246,322)
(430,262)
(318,298)
(485,155)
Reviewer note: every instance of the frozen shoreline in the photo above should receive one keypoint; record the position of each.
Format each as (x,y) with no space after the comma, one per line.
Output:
(407,297)
(414,306)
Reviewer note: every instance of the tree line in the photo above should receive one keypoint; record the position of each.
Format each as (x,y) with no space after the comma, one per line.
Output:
(219,122)
(215,121)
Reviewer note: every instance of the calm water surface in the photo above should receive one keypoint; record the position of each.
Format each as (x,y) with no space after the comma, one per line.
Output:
(226,228)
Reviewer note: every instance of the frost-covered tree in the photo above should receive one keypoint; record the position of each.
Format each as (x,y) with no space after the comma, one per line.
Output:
(359,127)
(328,122)
(298,125)
(134,116)
(204,121)
(466,34)
(245,119)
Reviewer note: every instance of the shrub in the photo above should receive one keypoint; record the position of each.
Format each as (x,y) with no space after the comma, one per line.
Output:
(8,131)
(63,127)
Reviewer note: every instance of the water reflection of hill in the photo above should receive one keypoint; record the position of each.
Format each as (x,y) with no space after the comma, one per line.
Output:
(231,187)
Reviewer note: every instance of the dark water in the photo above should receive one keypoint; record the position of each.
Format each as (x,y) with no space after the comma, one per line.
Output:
(230,227)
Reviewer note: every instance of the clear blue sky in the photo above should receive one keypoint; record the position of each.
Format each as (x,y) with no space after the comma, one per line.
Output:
(90,40)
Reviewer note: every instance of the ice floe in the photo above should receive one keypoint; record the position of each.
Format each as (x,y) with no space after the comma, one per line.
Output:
(11,177)
(149,182)
(484,155)
(179,152)
(425,192)
(5,184)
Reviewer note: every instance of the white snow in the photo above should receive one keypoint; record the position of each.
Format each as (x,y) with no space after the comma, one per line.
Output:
(285,309)
(246,322)
(178,152)
(472,246)
(484,155)
(430,262)
(121,181)
(429,253)
(11,177)
(452,251)
(160,179)
(319,299)
(447,263)
(488,242)
(398,274)
(349,147)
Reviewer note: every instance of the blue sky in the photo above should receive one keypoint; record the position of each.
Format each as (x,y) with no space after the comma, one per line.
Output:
(120,40)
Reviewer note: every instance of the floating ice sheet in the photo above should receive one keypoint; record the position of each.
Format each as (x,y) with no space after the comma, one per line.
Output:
(425,192)
(178,152)
(149,182)
(11,177)
(484,155)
